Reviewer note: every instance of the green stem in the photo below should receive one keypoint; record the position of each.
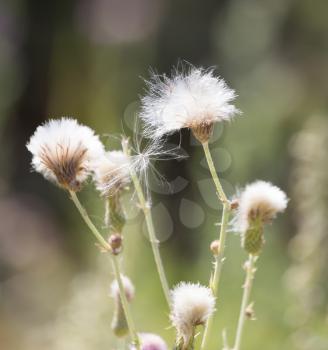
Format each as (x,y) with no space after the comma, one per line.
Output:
(250,271)
(152,236)
(219,259)
(115,264)
(215,177)
(189,345)
(88,221)
(215,279)
(150,227)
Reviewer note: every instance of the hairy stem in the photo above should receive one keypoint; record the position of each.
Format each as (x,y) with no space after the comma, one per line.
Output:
(116,268)
(215,278)
(151,230)
(250,271)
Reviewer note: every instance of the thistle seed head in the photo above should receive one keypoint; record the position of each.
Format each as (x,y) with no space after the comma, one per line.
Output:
(111,173)
(194,98)
(63,152)
(192,305)
(258,204)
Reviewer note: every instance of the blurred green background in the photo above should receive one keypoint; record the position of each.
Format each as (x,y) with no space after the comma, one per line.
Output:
(85,59)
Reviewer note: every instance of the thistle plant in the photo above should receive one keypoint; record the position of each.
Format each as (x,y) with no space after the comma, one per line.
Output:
(195,99)
(65,152)
(68,154)
(258,205)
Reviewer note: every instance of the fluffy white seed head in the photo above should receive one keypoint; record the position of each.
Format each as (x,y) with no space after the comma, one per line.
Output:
(128,288)
(111,172)
(150,341)
(259,199)
(192,305)
(63,152)
(191,99)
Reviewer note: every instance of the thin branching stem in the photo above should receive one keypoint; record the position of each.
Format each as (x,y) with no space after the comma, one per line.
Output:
(116,268)
(219,259)
(215,278)
(150,227)
(101,240)
(152,236)
(250,271)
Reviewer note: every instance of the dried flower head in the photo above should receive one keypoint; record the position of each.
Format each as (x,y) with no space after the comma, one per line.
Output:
(63,151)
(128,288)
(194,99)
(259,203)
(111,172)
(150,341)
(192,305)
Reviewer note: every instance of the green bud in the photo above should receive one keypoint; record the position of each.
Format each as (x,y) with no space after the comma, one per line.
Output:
(119,323)
(117,218)
(252,239)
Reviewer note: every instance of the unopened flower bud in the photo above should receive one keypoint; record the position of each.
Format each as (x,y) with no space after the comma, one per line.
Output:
(234,204)
(150,341)
(115,241)
(215,247)
(119,323)
(249,312)
(117,218)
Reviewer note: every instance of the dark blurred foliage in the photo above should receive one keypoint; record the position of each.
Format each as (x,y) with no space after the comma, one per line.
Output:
(87,59)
